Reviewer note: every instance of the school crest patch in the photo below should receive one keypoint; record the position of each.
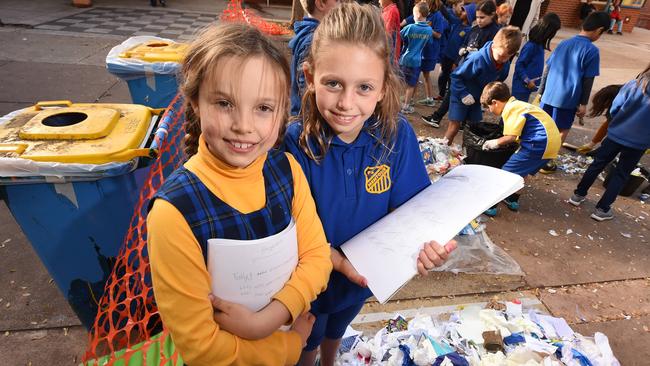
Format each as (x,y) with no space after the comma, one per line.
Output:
(377,178)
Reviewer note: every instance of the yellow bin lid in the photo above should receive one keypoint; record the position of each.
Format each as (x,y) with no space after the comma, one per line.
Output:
(60,131)
(157,51)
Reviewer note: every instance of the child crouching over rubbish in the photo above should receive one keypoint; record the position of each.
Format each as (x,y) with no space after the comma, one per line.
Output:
(529,125)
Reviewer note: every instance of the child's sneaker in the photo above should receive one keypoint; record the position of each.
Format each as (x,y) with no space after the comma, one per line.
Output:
(577,199)
(512,205)
(432,120)
(492,211)
(602,215)
(610,32)
(408,109)
(427,101)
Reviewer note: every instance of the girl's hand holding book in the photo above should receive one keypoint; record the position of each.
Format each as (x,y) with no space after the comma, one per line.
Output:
(341,264)
(434,255)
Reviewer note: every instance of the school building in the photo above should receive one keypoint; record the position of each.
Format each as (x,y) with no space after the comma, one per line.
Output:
(634,12)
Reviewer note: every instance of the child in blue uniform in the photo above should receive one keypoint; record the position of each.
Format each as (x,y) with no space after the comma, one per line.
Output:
(431,51)
(628,136)
(483,32)
(416,38)
(459,19)
(530,63)
(360,157)
(491,63)
(529,125)
(300,43)
(570,71)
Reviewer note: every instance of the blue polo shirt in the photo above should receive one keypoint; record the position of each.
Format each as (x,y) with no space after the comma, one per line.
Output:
(415,38)
(571,61)
(438,24)
(530,65)
(630,123)
(355,185)
(299,46)
(475,73)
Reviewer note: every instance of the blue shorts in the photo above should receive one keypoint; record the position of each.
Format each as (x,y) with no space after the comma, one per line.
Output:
(563,117)
(460,112)
(525,162)
(331,325)
(428,65)
(411,75)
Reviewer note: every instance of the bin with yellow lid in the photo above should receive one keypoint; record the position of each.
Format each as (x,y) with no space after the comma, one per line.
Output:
(71,175)
(149,65)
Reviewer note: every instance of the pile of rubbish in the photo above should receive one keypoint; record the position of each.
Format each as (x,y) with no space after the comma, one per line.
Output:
(500,333)
(574,163)
(439,157)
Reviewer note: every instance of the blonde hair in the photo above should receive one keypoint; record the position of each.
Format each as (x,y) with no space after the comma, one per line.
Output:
(509,38)
(361,25)
(308,6)
(422,8)
(213,44)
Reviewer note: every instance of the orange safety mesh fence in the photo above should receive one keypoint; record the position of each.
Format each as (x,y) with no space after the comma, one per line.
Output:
(235,13)
(127,314)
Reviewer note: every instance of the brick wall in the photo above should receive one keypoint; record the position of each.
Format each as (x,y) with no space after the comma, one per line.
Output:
(569,11)
(644,17)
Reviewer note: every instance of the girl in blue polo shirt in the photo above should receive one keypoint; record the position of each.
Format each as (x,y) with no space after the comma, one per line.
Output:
(360,158)
(530,63)
(628,136)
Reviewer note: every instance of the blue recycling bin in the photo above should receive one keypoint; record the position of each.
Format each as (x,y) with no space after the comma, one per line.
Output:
(149,65)
(75,205)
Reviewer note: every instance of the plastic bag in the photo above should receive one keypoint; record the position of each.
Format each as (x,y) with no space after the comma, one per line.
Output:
(475,136)
(477,254)
(133,68)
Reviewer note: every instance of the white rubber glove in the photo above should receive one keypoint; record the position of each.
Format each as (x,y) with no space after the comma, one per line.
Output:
(468,99)
(490,144)
(462,51)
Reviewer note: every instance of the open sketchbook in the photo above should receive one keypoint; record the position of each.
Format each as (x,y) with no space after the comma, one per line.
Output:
(386,252)
(250,272)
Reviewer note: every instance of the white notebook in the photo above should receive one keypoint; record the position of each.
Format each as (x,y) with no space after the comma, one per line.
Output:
(386,252)
(250,272)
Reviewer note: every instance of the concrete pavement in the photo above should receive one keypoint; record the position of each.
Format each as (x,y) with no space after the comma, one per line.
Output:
(600,286)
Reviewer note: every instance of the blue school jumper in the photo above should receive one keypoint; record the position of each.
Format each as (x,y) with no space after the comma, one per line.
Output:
(538,137)
(628,137)
(300,45)
(471,77)
(571,61)
(354,185)
(630,122)
(456,34)
(209,217)
(529,66)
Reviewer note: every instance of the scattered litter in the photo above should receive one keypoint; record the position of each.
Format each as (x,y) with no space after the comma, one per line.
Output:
(577,247)
(8,304)
(551,291)
(569,231)
(573,163)
(495,335)
(38,335)
(65,331)
(552,191)
(627,235)
(27,294)
(6,333)
(553,233)
(6,241)
(439,157)
(566,214)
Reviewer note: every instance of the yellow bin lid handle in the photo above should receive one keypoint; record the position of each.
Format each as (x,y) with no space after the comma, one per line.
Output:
(53,104)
